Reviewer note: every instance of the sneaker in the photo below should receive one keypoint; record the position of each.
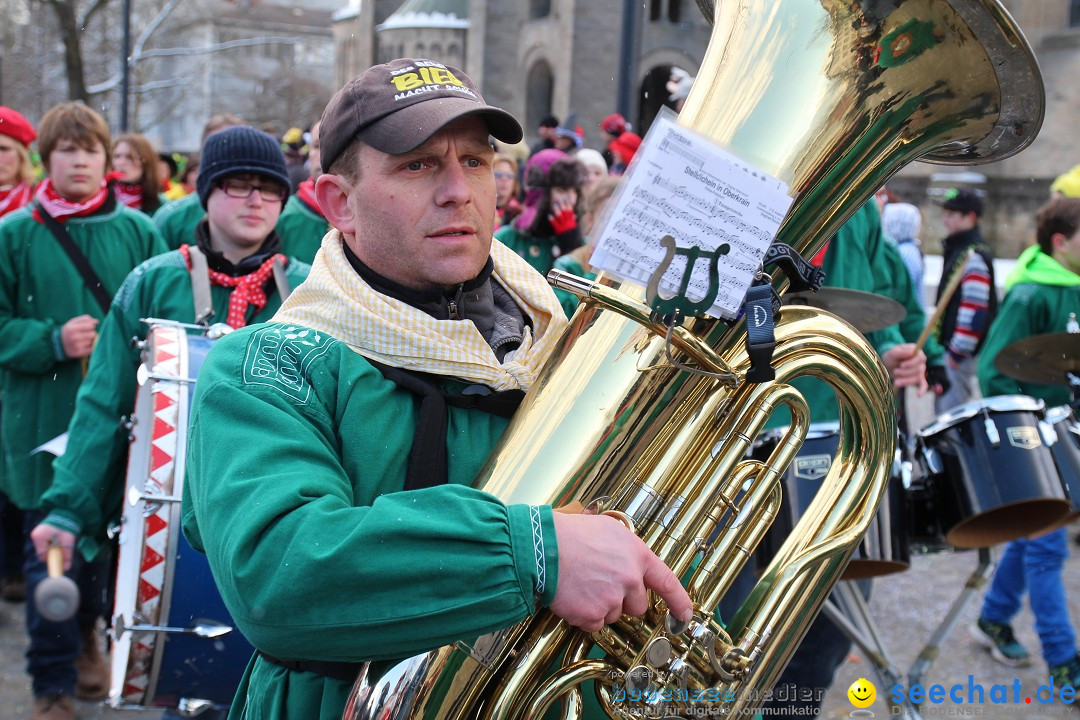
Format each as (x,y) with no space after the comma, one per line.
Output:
(1067,674)
(999,638)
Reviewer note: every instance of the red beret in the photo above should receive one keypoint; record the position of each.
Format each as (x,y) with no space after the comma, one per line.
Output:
(16,126)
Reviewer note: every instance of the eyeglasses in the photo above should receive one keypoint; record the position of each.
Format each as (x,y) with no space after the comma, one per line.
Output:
(504,176)
(243,189)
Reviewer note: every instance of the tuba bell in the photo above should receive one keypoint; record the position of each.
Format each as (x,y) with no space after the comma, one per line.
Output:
(832,98)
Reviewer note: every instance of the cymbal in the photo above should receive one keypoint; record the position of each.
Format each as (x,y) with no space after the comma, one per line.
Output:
(867,312)
(1041,358)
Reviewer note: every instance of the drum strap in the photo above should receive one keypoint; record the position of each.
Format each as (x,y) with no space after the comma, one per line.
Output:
(281,280)
(200,286)
(343,671)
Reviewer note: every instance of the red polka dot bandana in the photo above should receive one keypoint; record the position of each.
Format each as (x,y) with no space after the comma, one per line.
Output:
(248,288)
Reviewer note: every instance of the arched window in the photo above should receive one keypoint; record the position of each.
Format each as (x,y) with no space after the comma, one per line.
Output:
(436,51)
(453,54)
(420,51)
(539,8)
(539,90)
(1074,13)
(655,10)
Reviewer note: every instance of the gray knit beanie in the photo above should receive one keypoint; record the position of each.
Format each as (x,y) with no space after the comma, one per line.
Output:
(236,150)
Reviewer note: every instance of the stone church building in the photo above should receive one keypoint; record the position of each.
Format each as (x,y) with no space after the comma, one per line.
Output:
(567,58)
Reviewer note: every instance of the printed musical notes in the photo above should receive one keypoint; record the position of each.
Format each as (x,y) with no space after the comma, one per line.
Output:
(684,185)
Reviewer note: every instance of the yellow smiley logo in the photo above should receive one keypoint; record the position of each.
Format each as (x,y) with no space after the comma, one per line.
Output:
(862,693)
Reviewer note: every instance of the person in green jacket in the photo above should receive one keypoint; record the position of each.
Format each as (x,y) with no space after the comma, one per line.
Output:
(302,225)
(856,258)
(548,224)
(330,459)
(242,186)
(176,220)
(1042,296)
(48,325)
(576,261)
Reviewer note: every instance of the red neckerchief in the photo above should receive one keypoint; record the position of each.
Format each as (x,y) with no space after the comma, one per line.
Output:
(248,288)
(14,198)
(61,208)
(129,194)
(306,193)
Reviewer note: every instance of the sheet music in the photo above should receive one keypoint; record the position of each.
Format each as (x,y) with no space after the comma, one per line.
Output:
(684,185)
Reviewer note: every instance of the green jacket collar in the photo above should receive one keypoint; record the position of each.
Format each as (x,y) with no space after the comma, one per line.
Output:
(1035,266)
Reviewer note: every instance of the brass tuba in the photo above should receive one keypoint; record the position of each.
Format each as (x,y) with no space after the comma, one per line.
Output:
(833,98)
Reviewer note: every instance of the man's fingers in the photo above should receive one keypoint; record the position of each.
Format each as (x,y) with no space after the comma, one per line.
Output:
(659,578)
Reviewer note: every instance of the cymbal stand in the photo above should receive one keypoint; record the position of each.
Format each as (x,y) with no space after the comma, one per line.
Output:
(849,610)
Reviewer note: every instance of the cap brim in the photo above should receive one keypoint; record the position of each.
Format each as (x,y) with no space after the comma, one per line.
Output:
(412,126)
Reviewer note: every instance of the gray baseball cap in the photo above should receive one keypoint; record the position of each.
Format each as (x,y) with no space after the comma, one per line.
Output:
(397,106)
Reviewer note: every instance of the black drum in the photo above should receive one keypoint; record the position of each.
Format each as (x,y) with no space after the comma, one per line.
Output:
(988,476)
(1066,452)
(884,549)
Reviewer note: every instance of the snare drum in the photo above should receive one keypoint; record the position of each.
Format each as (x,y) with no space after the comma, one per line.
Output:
(1066,452)
(988,477)
(883,550)
(175,644)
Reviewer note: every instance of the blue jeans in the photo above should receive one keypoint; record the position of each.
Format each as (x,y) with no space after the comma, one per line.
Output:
(1035,565)
(50,659)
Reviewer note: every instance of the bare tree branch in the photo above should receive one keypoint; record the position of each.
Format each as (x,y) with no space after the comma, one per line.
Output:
(85,18)
(163,52)
(144,36)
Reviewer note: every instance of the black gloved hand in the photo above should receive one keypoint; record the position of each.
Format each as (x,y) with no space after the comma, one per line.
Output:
(937,377)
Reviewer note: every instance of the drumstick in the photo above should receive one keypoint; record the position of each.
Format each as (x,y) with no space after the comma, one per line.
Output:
(57,596)
(950,289)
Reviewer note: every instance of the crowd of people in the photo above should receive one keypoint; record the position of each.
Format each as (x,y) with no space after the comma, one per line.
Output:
(382,275)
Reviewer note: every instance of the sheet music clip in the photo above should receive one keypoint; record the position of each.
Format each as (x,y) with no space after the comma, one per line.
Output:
(680,303)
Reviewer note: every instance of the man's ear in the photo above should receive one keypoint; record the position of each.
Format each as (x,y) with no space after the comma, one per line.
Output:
(1057,241)
(332,193)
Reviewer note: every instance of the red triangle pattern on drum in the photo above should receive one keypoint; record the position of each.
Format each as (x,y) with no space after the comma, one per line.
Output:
(162,355)
(162,401)
(151,558)
(162,428)
(155,524)
(147,591)
(130,690)
(159,458)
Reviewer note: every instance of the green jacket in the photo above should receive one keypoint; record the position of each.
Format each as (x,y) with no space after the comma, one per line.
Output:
(1041,293)
(903,291)
(177,220)
(297,458)
(857,260)
(40,290)
(537,251)
(301,230)
(88,484)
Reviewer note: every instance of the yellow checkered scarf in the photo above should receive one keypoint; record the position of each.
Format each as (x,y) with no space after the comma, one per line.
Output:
(337,301)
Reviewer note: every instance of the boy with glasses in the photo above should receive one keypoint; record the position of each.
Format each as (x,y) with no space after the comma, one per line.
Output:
(61,260)
(242,186)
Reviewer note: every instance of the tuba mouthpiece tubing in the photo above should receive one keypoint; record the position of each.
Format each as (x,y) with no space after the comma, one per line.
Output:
(570,282)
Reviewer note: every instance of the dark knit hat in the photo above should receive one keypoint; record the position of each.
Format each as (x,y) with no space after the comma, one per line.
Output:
(396,107)
(963,201)
(237,150)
